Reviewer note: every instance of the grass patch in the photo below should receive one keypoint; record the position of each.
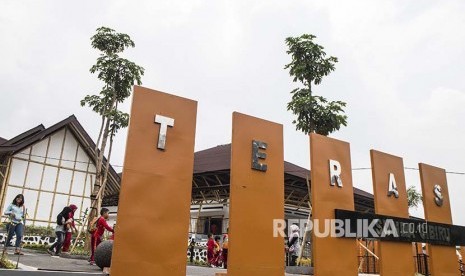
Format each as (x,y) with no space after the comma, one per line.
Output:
(5,263)
(79,250)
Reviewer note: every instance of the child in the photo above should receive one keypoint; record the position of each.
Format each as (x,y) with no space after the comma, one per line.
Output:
(97,235)
(210,250)
(217,252)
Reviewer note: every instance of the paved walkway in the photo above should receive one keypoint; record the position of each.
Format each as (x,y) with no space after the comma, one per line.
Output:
(33,263)
(40,264)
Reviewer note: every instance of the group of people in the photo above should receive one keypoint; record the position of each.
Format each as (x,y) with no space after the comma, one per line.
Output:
(64,231)
(65,228)
(217,255)
(16,212)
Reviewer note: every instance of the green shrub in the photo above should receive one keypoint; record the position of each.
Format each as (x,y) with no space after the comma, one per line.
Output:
(5,263)
(39,231)
(37,247)
(79,250)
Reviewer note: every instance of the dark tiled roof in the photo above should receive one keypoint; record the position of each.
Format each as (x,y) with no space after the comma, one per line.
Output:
(36,134)
(2,140)
(218,159)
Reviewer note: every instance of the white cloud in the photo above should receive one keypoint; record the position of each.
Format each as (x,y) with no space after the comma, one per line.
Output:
(400,70)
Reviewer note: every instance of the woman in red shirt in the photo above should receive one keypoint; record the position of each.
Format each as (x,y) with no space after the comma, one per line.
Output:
(210,250)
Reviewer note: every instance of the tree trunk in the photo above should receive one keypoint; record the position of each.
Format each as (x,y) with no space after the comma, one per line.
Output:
(98,184)
(310,127)
(107,169)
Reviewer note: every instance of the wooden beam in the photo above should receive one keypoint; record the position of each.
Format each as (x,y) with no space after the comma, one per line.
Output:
(41,182)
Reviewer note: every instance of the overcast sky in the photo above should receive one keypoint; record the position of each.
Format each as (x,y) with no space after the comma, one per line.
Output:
(401,67)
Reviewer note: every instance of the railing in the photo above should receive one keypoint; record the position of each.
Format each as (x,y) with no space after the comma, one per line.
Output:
(422,264)
(462,268)
(368,264)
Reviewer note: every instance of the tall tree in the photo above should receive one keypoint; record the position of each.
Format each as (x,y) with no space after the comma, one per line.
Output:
(118,75)
(308,66)
(315,114)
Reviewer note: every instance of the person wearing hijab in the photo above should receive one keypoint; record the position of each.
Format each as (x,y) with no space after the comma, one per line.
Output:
(63,223)
(294,244)
(71,229)
(15,211)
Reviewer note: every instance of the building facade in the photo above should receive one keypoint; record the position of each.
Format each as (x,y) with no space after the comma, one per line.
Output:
(53,168)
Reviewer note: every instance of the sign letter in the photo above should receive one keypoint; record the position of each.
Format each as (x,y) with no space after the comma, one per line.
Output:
(392,186)
(438,198)
(164,122)
(335,173)
(256,154)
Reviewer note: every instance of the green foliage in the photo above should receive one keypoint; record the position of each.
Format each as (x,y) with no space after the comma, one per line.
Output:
(5,263)
(37,247)
(31,230)
(304,261)
(309,65)
(118,74)
(79,250)
(414,197)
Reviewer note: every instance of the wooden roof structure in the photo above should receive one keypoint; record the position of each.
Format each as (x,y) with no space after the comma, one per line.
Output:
(210,183)
(38,133)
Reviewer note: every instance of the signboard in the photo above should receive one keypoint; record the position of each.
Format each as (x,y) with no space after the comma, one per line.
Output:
(331,176)
(154,202)
(436,203)
(390,194)
(396,229)
(257,197)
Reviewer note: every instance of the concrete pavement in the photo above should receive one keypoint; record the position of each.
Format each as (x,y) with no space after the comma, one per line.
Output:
(39,264)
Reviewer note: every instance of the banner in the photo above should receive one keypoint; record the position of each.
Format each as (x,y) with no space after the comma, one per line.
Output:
(400,230)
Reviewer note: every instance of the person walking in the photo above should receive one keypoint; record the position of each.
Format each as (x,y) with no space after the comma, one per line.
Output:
(225,249)
(71,229)
(16,212)
(63,222)
(97,233)
(294,245)
(210,250)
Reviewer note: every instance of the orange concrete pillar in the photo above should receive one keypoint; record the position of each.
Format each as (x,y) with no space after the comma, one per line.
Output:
(390,194)
(331,174)
(154,202)
(436,203)
(257,197)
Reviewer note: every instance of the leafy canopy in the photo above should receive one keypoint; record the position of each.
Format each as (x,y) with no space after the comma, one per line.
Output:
(118,75)
(308,66)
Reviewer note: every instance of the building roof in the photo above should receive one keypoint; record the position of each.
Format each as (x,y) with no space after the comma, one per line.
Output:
(210,183)
(219,158)
(38,133)
(2,140)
